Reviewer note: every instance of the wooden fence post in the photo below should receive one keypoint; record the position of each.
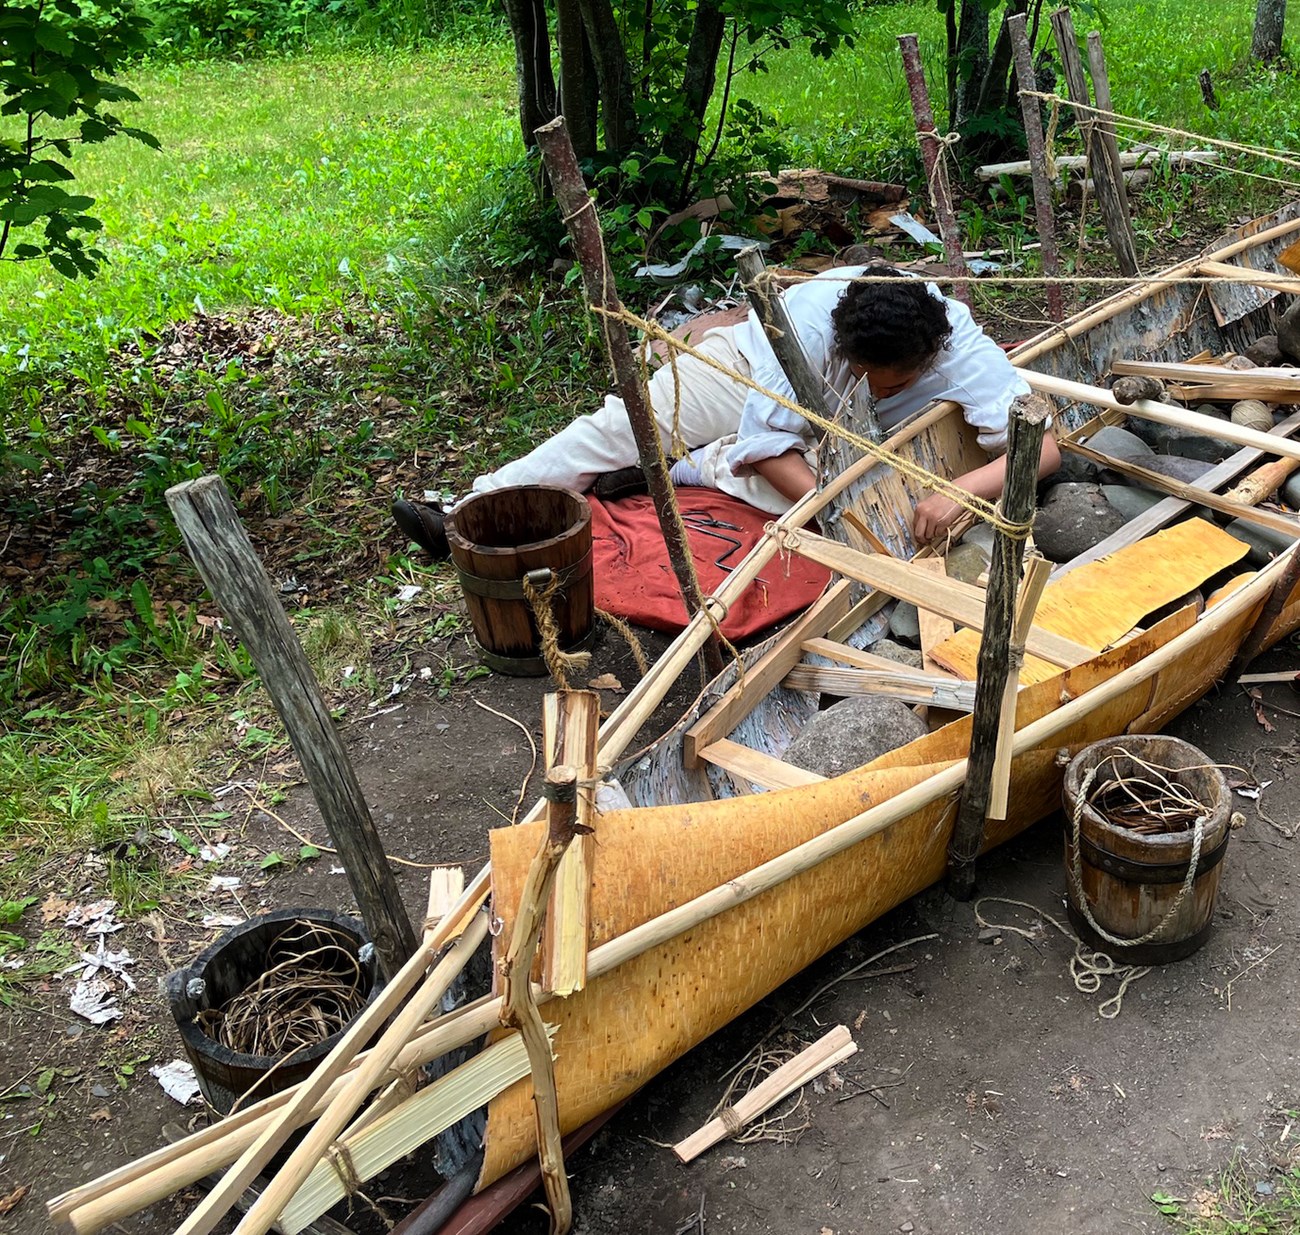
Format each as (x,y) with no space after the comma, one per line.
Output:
(936,172)
(1025,79)
(1109,184)
(579,213)
(226,559)
(1025,428)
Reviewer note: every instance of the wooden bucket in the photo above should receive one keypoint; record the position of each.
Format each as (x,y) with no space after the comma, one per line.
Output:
(499,537)
(1132,883)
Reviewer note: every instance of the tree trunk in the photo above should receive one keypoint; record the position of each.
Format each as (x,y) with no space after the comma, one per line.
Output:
(994,88)
(577,78)
(536,81)
(1270,17)
(698,79)
(950,64)
(613,72)
(972,60)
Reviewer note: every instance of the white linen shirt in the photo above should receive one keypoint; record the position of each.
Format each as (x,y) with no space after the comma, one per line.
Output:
(971,370)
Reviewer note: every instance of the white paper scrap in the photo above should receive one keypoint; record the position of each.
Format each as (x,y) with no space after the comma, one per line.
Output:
(177,1080)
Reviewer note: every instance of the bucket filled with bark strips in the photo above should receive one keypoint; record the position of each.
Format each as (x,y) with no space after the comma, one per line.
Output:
(260,1007)
(1147,821)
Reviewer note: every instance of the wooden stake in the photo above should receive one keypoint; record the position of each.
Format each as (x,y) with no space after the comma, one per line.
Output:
(809,387)
(936,172)
(1031,591)
(1106,127)
(831,1048)
(518,1004)
(579,212)
(1026,424)
(1262,483)
(230,567)
(1043,213)
(570,724)
(1113,211)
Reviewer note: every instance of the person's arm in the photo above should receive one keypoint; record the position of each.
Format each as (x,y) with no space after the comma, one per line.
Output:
(936,513)
(788,474)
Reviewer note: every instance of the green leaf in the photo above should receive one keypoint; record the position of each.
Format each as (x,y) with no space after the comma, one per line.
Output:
(307,852)
(271,861)
(45,1080)
(64,265)
(11,911)
(47,169)
(53,38)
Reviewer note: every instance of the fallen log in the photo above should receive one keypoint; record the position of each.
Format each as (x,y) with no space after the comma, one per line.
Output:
(1128,159)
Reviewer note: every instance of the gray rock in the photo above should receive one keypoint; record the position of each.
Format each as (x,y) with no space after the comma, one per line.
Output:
(966,562)
(904,623)
(1265,544)
(1131,500)
(1073,518)
(1288,333)
(1172,440)
(1177,467)
(1120,444)
(887,649)
(981,534)
(1291,491)
(1265,351)
(1074,470)
(854,732)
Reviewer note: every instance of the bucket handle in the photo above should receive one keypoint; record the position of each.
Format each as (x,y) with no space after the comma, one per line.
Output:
(1076,871)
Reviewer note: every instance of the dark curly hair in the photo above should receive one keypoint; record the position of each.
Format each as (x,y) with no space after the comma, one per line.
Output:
(897,323)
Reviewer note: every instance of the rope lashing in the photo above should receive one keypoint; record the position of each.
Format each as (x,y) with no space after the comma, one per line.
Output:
(559,663)
(990,512)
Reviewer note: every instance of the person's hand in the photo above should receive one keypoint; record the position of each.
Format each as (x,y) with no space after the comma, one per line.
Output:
(933,517)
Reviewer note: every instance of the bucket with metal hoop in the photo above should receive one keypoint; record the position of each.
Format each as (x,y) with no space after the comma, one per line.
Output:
(523,555)
(1147,821)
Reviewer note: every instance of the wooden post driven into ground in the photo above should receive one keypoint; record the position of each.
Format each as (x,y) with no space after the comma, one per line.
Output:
(579,212)
(1108,181)
(226,559)
(935,173)
(809,387)
(1027,423)
(1042,181)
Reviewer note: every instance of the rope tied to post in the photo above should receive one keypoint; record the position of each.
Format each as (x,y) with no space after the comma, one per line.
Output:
(989,512)
(559,663)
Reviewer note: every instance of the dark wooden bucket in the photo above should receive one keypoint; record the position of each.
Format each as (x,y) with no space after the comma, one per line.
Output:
(496,538)
(223,969)
(1131,881)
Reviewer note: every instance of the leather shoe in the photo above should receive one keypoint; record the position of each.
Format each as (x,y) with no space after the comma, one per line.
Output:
(626,482)
(423,523)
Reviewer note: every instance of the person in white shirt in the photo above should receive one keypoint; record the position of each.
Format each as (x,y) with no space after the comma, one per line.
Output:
(899,344)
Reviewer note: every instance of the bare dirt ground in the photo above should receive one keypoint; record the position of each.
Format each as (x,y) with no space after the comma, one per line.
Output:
(987,1094)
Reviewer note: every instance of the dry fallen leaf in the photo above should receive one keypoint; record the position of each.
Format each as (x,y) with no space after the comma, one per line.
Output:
(55,909)
(103,1115)
(606,681)
(9,1200)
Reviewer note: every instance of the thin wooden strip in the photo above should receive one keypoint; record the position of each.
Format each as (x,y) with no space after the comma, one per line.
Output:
(571,723)
(859,525)
(437,1107)
(755,766)
(935,628)
(1165,512)
(752,687)
(932,689)
(1186,371)
(1031,590)
(832,1048)
(959,601)
(1162,413)
(1257,278)
(1285,524)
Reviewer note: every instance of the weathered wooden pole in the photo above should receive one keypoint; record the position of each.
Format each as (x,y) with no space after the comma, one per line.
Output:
(1025,427)
(936,172)
(1046,217)
(809,387)
(226,559)
(1114,213)
(579,212)
(1105,125)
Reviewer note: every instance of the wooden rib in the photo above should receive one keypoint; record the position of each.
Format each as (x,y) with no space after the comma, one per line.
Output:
(756,767)
(1191,493)
(750,689)
(940,690)
(1037,573)
(1259,278)
(961,602)
(832,1048)
(1167,511)
(1216,381)
(1162,413)
(438,1106)
(570,725)
(858,524)
(935,628)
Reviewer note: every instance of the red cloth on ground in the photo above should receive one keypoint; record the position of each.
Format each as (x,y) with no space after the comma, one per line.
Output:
(634,580)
